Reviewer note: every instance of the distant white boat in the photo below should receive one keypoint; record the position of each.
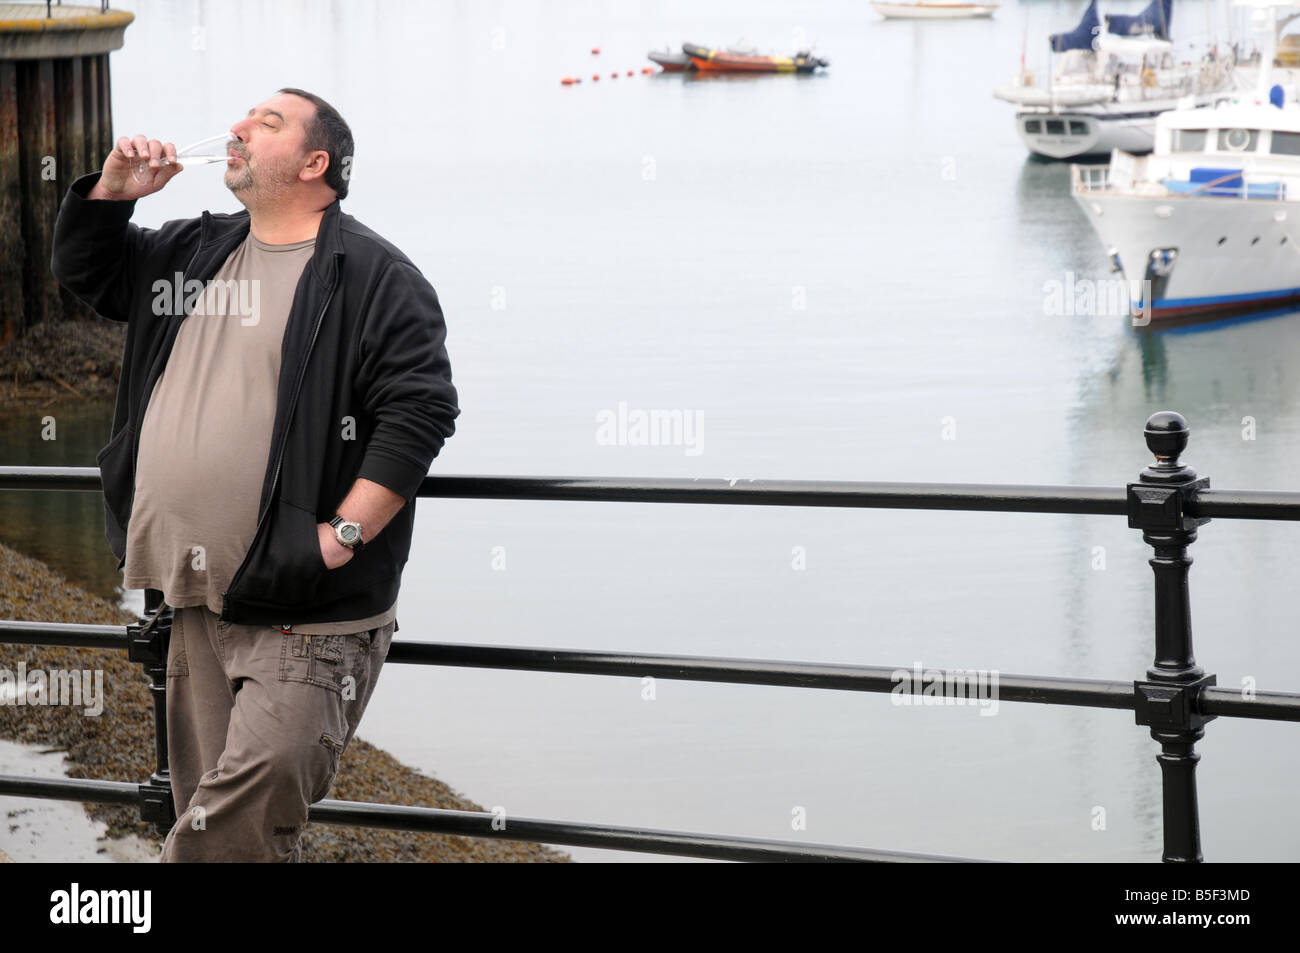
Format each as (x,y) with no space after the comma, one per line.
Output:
(1204,224)
(933,9)
(1110,85)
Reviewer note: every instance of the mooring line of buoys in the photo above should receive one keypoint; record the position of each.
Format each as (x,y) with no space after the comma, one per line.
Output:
(574,80)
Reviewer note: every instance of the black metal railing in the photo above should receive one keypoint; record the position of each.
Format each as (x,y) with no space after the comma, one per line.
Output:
(50,4)
(49,12)
(1174,700)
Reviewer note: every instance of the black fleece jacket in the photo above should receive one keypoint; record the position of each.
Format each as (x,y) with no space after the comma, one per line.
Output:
(365,391)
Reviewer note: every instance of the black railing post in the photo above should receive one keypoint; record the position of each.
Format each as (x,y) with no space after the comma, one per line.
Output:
(147,643)
(1167,701)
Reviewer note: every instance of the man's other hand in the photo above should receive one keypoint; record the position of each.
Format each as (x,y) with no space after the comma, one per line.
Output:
(332,552)
(135,168)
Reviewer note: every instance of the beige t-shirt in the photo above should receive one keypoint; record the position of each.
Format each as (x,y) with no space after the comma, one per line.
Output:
(206,435)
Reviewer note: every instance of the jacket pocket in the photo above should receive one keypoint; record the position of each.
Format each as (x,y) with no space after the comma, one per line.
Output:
(117,475)
(284,565)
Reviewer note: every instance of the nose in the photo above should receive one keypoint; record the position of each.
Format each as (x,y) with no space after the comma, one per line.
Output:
(238,130)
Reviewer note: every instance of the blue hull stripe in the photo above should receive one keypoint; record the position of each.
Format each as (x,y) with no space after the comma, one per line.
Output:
(1226,299)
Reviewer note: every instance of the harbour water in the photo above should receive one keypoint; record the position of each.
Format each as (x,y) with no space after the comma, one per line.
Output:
(855,275)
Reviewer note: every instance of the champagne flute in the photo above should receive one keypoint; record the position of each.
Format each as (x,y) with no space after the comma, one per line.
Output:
(211,150)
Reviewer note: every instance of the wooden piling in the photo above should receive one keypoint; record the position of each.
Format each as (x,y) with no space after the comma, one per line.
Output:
(56,123)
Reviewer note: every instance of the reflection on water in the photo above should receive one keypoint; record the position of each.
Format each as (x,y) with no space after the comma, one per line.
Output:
(64,529)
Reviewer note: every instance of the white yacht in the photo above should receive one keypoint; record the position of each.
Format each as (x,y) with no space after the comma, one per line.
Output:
(1210,222)
(1108,87)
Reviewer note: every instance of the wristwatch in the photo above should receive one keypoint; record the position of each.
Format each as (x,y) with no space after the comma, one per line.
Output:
(348,533)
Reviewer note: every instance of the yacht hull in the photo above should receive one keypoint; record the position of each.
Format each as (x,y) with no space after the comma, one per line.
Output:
(1230,255)
(1074,132)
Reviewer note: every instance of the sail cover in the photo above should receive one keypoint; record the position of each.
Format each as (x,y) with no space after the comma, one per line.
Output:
(1153,21)
(1081,37)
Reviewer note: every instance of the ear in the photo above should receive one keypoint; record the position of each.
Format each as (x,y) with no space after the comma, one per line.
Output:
(317,163)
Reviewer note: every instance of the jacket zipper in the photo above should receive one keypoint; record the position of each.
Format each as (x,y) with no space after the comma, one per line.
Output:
(284,439)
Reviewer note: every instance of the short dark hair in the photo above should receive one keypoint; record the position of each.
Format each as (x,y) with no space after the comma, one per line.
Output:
(328,131)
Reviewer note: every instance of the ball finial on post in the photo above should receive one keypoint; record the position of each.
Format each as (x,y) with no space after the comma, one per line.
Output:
(1166,435)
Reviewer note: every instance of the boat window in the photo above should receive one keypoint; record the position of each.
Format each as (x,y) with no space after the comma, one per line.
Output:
(1033,126)
(1055,127)
(1238,140)
(1078,128)
(1286,143)
(1189,140)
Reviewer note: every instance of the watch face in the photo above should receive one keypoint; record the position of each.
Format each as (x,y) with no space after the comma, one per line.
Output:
(349,534)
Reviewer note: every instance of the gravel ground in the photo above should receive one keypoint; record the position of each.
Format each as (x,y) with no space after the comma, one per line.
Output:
(119,744)
(62,359)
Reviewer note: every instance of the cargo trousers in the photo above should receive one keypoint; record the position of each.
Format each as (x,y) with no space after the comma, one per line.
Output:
(257,720)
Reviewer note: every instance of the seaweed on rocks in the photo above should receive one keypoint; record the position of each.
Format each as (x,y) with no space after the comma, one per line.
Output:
(119,744)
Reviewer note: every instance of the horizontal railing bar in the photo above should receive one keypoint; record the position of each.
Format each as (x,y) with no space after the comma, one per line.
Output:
(609,837)
(481,824)
(1102,500)
(975,497)
(74,634)
(1272,706)
(50,478)
(1037,689)
(1095,693)
(71,789)
(1246,504)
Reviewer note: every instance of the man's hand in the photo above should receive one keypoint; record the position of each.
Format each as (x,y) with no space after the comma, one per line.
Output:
(368,503)
(117,181)
(334,553)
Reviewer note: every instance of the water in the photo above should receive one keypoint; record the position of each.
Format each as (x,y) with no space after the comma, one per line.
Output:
(826,272)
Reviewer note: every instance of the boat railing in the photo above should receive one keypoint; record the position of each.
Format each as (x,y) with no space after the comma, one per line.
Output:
(1123,173)
(1231,185)
(1174,699)
(50,4)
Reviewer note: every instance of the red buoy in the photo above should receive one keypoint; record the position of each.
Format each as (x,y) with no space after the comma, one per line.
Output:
(595,50)
(595,76)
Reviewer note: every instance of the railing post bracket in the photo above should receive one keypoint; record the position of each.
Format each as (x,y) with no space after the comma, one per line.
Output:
(1167,707)
(147,643)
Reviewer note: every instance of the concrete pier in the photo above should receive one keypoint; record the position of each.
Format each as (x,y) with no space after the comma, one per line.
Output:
(56,123)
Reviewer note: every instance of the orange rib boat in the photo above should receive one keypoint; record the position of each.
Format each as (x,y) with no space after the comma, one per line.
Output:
(726,61)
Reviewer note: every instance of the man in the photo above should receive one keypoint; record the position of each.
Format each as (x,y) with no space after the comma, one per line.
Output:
(284,389)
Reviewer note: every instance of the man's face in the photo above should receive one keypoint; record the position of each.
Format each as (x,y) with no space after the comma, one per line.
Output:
(268,149)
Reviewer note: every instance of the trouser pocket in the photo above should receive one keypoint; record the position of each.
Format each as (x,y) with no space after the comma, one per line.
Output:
(315,659)
(334,753)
